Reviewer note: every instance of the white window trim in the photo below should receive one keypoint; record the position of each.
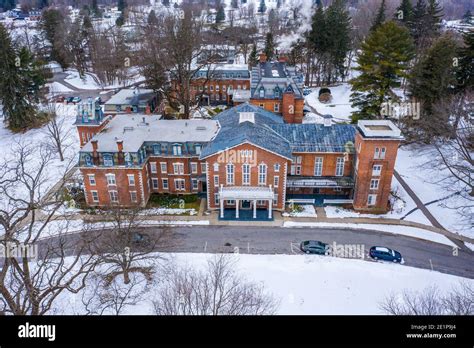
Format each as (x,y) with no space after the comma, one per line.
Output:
(91,178)
(194,167)
(153,181)
(165,186)
(131,182)
(111,175)
(153,168)
(374,196)
(339,160)
(131,197)
(318,165)
(92,195)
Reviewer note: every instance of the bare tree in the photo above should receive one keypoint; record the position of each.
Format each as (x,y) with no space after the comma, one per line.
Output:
(217,290)
(430,301)
(125,249)
(30,282)
(57,131)
(104,297)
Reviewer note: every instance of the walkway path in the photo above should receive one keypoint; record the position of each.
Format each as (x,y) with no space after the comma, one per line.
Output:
(420,205)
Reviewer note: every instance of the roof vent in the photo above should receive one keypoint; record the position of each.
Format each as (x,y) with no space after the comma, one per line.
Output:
(246,117)
(327,120)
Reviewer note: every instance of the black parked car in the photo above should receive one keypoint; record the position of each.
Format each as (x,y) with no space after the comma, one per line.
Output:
(313,247)
(384,253)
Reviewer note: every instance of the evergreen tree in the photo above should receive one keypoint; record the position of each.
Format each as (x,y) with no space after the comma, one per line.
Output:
(465,69)
(54,29)
(434,12)
(120,21)
(381,66)
(220,16)
(340,42)
(121,6)
(404,13)
(379,17)
(166,3)
(7,4)
(433,76)
(253,58)
(42,4)
(152,20)
(20,84)
(269,46)
(262,7)
(95,9)
(418,25)
(467,17)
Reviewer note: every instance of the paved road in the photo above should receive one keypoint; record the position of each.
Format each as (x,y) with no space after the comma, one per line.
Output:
(275,240)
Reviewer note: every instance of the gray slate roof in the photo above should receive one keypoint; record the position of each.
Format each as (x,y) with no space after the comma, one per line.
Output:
(270,75)
(317,137)
(260,133)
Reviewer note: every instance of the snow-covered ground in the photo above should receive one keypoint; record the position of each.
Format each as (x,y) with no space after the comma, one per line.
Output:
(339,107)
(401,205)
(308,210)
(413,164)
(394,229)
(307,284)
(36,139)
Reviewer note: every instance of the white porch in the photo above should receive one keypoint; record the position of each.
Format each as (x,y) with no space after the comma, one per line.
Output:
(248,195)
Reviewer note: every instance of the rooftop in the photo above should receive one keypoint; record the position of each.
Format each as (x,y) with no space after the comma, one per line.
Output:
(379,129)
(130,96)
(137,129)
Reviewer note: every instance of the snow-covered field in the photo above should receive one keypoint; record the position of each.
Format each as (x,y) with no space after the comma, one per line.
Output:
(428,184)
(36,139)
(339,107)
(400,207)
(308,284)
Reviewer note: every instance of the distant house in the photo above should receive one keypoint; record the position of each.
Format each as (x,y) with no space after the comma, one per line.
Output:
(129,100)
(278,88)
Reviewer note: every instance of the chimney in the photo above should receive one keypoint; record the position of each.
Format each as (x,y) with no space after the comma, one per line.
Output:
(327,120)
(95,155)
(94,145)
(128,109)
(120,152)
(148,110)
(120,145)
(263,58)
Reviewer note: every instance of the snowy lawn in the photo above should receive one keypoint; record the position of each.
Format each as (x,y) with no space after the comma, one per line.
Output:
(307,284)
(394,229)
(307,210)
(34,138)
(339,107)
(429,185)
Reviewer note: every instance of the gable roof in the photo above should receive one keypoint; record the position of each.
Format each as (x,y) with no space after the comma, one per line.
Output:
(259,133)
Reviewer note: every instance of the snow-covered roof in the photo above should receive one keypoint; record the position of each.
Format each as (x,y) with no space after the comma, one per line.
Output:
(126,96)
(379,129)
(136,129)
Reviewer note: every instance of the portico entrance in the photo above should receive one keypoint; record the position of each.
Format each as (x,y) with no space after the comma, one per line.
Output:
(246,198)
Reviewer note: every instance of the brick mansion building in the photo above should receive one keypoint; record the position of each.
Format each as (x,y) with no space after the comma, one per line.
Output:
(246,158)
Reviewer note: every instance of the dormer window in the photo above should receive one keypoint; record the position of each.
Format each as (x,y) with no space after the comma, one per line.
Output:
(108,160)
(88,160)
(262,92)
(177,149)
(276,92)
(156,149)
(246,117)
(198,148)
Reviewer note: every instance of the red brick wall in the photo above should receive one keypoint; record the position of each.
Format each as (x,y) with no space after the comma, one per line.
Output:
(329,163)
(122,185)
(365,162)
(286,105)
(262,156)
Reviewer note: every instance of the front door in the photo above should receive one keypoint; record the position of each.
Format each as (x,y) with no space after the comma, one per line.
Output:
(245,204)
